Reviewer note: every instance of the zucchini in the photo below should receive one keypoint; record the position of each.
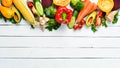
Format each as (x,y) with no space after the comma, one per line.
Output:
(73,19)
(38,7)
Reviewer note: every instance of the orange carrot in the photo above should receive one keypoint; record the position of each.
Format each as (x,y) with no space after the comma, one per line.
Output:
(93,8)
(89,7)
(84,12)
(86,2)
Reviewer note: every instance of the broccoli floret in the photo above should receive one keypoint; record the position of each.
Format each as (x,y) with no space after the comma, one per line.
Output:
(52,24)
(76,4)
(50,11)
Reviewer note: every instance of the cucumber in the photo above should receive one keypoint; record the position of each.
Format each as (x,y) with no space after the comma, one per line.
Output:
(75,13)
(38,7)
(73,19)
(72,22)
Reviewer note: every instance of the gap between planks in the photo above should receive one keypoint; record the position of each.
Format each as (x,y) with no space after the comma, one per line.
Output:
(60,36)
(60,58)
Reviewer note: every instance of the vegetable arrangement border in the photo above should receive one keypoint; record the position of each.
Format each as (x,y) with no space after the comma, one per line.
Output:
(50,14)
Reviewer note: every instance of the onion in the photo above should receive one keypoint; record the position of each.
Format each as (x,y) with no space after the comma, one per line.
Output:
(46,3)
(116,4)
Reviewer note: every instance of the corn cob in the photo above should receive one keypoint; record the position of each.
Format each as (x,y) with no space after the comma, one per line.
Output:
(21,5)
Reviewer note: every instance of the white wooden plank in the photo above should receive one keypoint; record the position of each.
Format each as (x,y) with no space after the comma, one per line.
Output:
(63,31)
(54,53)
(59,42)
(59,63)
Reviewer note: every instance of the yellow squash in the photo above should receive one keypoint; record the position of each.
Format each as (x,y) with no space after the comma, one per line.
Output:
(6,12)
(61,2)
(7,3)
(106,5)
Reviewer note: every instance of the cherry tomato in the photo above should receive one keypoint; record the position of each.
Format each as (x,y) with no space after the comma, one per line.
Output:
(79,26)
(75,27)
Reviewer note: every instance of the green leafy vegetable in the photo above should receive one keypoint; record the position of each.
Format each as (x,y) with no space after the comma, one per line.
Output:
(76,4)
(115,20)
(12,21)
(1,16)
(104,21)
(52,24)
(50,11)
(93,28)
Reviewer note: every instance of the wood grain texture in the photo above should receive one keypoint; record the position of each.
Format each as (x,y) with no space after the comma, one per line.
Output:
(59,63)
(59,53)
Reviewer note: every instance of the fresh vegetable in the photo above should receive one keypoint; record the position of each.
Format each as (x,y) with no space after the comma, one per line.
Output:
(91,18)
(7,3)
(61,2)
(116,4)
(6,12)
(25,11)
(46,3)
(73,19)
(79,25)
(32,8)
(43,20)
(2,17)
(99,18)
(72,22)
(16,15)
(55,13)
(111,15)
(38,7)
(63,15)
(52,24)
(89,7)
(50,11)
(76,4)
(12,21)
(93,28)
(115,20)
(104,21)
(106,5)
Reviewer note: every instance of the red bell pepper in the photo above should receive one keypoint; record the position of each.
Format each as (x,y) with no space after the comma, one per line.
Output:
(59,15)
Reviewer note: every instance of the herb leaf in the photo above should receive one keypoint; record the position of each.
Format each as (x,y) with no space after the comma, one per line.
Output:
(104,22)
(12,21)
(93,28)
(115,20)
(52,24)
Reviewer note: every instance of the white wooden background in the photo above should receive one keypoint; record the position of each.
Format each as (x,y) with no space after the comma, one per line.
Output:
(23,47)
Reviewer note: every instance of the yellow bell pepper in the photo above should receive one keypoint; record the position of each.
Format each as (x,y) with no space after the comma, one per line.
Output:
(61,2)
(106,5)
